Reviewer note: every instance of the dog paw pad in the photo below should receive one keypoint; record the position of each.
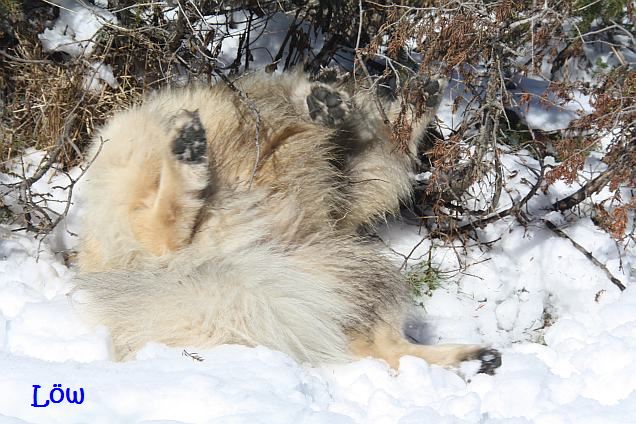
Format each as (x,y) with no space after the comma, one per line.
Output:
(327,106)
(190,144)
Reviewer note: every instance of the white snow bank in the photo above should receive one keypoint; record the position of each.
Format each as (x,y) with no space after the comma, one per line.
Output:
(567,334)
(266,38)
(75,28)
(581,369)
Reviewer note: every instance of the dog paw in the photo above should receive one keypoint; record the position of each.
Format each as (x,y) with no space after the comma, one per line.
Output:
(490,360)
(190,144)
(327,106)
(427,92)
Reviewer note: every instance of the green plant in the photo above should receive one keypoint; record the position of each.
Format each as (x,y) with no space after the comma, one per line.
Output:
(424,278)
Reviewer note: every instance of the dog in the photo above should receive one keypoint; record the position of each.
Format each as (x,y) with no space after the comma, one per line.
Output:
(236,213)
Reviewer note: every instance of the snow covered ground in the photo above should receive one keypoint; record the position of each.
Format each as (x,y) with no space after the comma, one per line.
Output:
(567,334)
(581,368)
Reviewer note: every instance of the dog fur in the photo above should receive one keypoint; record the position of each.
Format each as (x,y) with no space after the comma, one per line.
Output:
(219,214)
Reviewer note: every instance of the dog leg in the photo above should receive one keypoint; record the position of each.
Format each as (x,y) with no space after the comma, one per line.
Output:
(376,170)
(423,97)
(328,106)
(388,344)
(165,220)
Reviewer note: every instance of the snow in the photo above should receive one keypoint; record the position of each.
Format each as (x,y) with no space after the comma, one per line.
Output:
(567,334)
(73,33)
(75,28)
(101,73)
(265,37)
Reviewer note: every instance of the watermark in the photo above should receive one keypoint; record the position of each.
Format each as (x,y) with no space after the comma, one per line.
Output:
(57,395)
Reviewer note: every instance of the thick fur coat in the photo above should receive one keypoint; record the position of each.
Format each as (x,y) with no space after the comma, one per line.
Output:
(219,214)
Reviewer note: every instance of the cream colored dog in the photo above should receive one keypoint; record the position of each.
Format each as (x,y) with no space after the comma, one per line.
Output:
(232,215)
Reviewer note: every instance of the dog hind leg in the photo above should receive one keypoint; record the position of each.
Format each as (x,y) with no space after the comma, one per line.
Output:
(388,344)
(376,170)
(165,221)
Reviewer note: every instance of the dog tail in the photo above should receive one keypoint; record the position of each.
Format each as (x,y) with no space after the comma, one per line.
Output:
(259,298)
